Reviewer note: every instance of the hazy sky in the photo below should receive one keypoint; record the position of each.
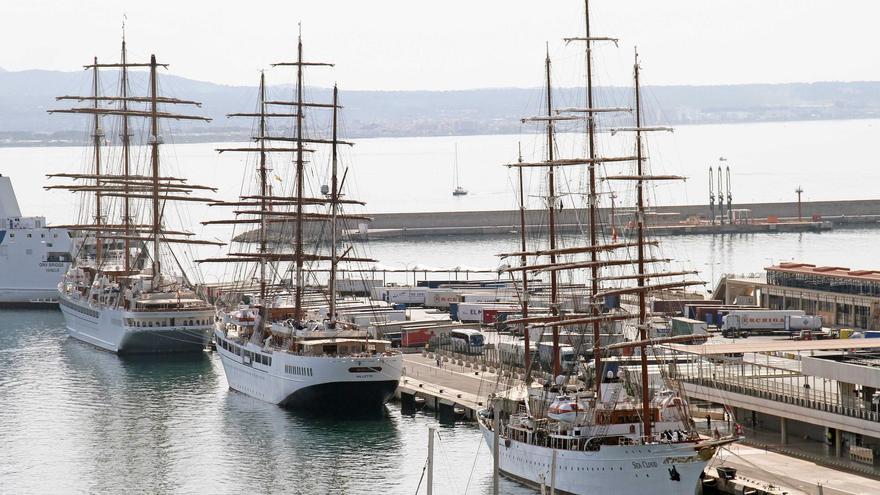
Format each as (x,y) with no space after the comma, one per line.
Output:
(455,44)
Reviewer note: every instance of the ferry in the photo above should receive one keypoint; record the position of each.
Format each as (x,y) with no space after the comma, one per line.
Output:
(33,256)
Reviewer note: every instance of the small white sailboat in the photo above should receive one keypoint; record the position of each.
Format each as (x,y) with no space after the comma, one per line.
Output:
(456,176)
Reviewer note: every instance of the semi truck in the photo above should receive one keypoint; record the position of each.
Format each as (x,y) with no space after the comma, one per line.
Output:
(746,322)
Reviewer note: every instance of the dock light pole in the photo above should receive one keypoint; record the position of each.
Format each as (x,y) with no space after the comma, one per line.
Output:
(431,461)
(799,191)
(711,265)
(496,451)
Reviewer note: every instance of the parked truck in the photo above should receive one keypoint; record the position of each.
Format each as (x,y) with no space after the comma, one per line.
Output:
(746,322)
(568,359)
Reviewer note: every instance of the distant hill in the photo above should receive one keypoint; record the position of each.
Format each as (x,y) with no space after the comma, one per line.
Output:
(26,95)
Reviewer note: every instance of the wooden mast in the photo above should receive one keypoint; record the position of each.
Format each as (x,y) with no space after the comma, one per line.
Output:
(97,134)
(551,205)
(594,200)
(334,199)
(298,247)
(263,191)
(126,160)
(523,262)
(640,228)
(154,145)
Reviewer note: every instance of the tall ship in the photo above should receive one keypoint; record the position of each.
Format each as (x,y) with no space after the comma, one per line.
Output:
(603,427)
(281,335)
(33,256)
(126,290)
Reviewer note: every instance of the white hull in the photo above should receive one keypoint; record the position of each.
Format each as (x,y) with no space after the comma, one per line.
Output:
(117,330)
(323,382)
(26,297)
(33,257)
(614,470)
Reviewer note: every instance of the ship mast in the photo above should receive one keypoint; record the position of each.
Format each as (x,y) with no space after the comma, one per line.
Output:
(97,134)
(153,187)
(154,160)
(126,161)
(263,190)
(593,199)
(551,208)
(640,233)
(298,243)
(334,205)
(524,262)
(591,114)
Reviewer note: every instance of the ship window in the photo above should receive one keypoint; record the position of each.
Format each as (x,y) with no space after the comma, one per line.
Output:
(42,236)
(28,251)
(268,361)
(11,235)
(55,236)
(29,236)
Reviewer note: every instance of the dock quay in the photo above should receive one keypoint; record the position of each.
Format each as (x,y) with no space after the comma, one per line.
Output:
(666,220)
(456,389)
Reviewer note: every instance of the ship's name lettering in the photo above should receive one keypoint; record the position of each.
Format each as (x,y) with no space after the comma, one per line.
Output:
(53,264)
(644,464)
(681,460)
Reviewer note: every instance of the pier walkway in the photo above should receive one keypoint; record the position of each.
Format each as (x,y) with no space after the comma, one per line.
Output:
(450,384)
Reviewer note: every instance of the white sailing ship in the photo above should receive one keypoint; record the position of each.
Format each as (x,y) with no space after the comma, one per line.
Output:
(33,256)
(601,431)
(118,295)
(288,344)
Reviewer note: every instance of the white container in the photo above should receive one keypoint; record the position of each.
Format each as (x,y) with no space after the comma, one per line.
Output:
(406,295)
(440,298)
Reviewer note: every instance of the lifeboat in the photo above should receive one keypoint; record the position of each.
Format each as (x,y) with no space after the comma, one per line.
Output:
(565,409)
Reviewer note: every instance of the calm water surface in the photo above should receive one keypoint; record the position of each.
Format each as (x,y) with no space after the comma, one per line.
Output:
(75,419)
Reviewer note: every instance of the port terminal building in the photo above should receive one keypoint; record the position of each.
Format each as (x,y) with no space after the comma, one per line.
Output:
(844,298)
(814,399)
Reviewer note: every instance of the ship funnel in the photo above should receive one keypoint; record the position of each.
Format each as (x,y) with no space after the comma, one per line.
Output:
(8,203)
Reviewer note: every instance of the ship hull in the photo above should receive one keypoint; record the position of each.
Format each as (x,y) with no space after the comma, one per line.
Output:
(336,384)
(659,469)
(107,328)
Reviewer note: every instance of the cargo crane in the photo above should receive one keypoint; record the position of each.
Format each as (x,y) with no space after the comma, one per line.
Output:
(720,195)
(729,196)
(711,198)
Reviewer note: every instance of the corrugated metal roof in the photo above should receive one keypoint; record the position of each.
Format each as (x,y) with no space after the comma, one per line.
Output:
(778,346)
(832,271)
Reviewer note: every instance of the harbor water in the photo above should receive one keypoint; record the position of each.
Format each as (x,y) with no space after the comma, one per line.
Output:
(75,419)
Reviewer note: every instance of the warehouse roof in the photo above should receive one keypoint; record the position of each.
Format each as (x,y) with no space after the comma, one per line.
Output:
(829,271)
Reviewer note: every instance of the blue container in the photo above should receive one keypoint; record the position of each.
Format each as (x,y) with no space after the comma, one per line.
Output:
(398,306)
(709,318)
(453,311)
(872,334)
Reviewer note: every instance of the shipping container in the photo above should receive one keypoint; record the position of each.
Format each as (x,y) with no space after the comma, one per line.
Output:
(359,287)
(441,298)
(406,295)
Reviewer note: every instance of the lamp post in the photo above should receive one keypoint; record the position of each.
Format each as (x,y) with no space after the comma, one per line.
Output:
(799,191)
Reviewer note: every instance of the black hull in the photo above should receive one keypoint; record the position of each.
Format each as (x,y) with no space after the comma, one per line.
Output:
(342,397)
(176,341)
